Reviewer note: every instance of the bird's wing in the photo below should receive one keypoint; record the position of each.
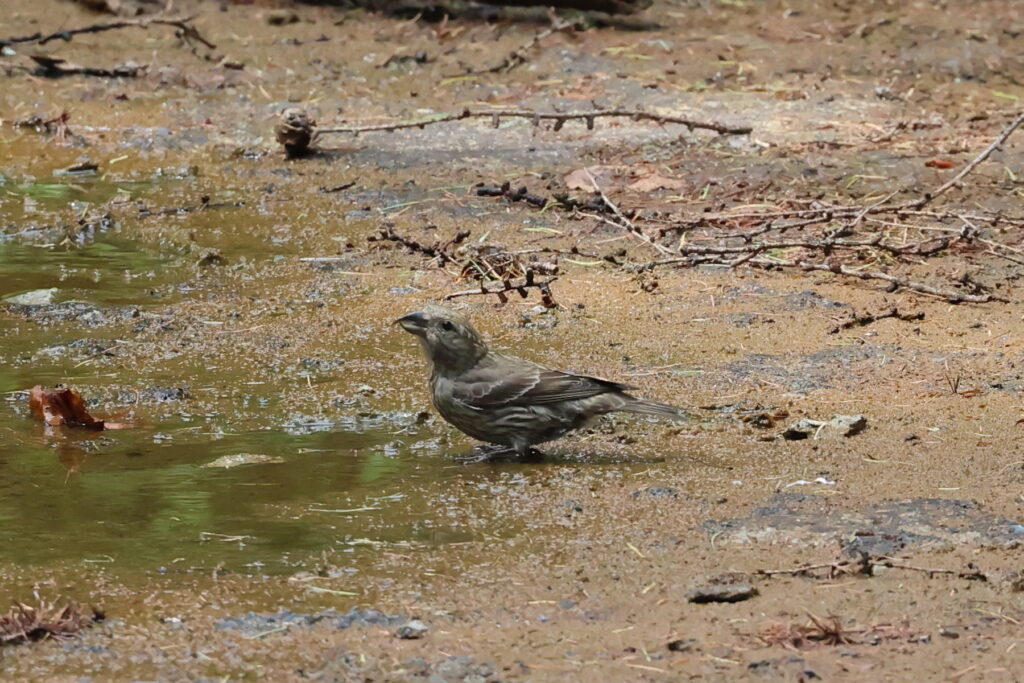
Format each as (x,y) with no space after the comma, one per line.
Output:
(515,382)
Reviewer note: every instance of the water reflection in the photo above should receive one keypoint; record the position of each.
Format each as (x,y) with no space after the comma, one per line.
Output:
(140,501)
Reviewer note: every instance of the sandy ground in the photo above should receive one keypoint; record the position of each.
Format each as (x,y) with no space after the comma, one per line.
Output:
(579,567)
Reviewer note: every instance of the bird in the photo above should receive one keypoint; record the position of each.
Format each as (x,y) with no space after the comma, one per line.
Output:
(509,401)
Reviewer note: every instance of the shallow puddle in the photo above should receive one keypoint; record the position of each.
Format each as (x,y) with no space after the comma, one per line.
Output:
(164,497)
(111,271)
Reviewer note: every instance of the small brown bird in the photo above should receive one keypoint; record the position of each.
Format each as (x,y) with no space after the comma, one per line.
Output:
(506,400)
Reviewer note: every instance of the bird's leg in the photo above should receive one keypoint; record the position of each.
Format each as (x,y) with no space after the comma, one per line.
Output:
(521,452)
(526,453)
(487,454)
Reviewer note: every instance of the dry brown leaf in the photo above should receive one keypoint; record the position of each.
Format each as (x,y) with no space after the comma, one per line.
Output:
(652,180)
(579,180)
(24,623)
(62,406)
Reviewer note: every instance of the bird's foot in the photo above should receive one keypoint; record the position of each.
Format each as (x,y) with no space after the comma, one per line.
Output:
(492,454)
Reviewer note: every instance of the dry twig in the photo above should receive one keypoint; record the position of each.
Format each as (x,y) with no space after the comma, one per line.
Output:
(185,29)
(25,622)
(529,282)
(985,154)
(869,318)
(621,220)
(559,118)
(439,250)
(879,232)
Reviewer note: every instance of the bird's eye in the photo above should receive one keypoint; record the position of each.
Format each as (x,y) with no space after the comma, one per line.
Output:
(447,326)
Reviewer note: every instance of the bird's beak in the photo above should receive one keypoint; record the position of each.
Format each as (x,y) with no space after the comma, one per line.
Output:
(414,323)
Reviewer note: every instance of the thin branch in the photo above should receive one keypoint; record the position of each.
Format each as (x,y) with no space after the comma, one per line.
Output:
(559,118)
(831,566)
(985,154)
(509,286)
(1007,257)
(622,222)
(867,209)
(181,23)
(950,296)
(972,574)
(869,318)
(440,251)
(923,248)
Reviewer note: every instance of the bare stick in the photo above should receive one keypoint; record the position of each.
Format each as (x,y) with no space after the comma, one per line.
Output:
(924,248)
(985,154)
(622,222)
(509,286)
(950,296)
(182,23)
(869,318)
(867,209)
(558,117)
(1012,259)
(831,566)
(898,282)
(438,250)
(930,571)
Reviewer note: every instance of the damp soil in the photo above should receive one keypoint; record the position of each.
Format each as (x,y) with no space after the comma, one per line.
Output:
(286,505)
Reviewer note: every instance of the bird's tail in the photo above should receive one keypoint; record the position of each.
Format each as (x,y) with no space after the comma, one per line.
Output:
(662,410)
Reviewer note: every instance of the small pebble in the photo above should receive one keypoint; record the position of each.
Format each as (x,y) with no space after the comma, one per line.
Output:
(412,630)
(732,592)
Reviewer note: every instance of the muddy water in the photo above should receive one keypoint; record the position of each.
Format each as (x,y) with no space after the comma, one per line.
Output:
(146,497)
(226,473)
(255,325)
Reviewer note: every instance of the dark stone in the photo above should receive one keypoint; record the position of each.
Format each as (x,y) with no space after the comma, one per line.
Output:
(801,301)
(364,617)
(683,645)
(729,592)
(412,630)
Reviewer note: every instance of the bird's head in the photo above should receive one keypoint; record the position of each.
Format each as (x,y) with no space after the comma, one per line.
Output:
(448,338)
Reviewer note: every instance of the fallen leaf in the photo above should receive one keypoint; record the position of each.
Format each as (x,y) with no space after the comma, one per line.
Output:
(23,623)
(939,163)
(62,406)
(653,180)
(579,180)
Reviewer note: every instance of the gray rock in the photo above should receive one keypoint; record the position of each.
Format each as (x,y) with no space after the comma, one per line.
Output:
(844,425)
(35,297)
(728,592)
(657,492)
(412,630)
